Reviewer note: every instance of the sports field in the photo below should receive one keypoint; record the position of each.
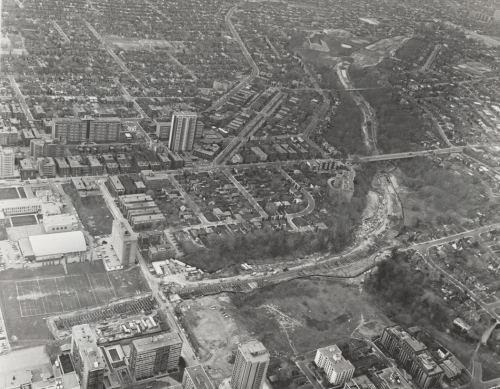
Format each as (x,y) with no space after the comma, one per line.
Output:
(25,303)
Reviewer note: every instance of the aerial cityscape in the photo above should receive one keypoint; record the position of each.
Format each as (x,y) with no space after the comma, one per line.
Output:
(253,194)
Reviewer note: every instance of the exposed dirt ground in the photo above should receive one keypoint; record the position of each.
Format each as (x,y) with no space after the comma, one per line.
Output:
(290,319)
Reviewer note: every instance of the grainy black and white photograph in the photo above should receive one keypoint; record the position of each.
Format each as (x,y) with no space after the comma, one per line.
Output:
(249,194)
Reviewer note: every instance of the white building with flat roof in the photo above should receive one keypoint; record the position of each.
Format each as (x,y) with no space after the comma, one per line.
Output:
(124,242)
(21,206)
(250,366)
(338,370)
(60,223)
(7,165)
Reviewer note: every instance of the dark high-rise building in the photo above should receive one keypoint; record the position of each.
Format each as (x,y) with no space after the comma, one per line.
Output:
(183,130)
(155,355)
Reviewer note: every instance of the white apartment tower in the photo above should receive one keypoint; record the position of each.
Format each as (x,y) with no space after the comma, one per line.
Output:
(182,131)
(7,164)
(337,368)
(124,242)
(87,357)
(250,366)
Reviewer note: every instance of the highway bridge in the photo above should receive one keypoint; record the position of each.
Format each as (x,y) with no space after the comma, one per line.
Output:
(388,157)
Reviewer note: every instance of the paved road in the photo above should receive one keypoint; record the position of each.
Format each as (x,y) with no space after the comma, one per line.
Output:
(431,58)
(194,207)
(183,67)
(311,204)
(154,284)
(60,30)
(22,100)
(252,126)
(248,79)
(249,197)
(110,51)
(423,248)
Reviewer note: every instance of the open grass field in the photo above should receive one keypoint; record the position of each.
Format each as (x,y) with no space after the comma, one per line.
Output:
(25,302)
(94,213)
(8,193)
(24,220)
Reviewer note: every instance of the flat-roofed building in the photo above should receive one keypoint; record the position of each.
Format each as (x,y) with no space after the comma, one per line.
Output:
(412,355)
(124,242)
(87,357)
(250,366)
(124,201)
(142,221)
(63,168)
(154,180)
(163,129)
(7,162)
(115,186)
(8,136)
(338,370)
(391,378)
(95,167)
(196,378)
(60,223)
(182,131)
(76,130)
(124,163)
(21,206)
(26,169)
(155,355)
(46,167)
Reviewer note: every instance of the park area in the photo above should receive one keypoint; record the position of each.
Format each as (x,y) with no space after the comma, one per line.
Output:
(26,301)
(93,211)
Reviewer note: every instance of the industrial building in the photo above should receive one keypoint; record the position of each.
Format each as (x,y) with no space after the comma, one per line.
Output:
(87,357)
(182,131)
(53,247)
(250,366)
(155,355)
(338,370)
(196,378)
(124,242)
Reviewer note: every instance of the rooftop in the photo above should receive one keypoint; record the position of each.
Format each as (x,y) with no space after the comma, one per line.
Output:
(56,244)
(154,342)
(198,377)
(87,344)
(254,351)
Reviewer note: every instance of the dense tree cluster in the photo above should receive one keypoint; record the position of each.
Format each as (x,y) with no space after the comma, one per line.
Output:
(445,190)
(268,244)
(404,295)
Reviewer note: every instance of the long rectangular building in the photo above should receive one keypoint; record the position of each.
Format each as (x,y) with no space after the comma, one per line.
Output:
(155,355)
(77,130)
